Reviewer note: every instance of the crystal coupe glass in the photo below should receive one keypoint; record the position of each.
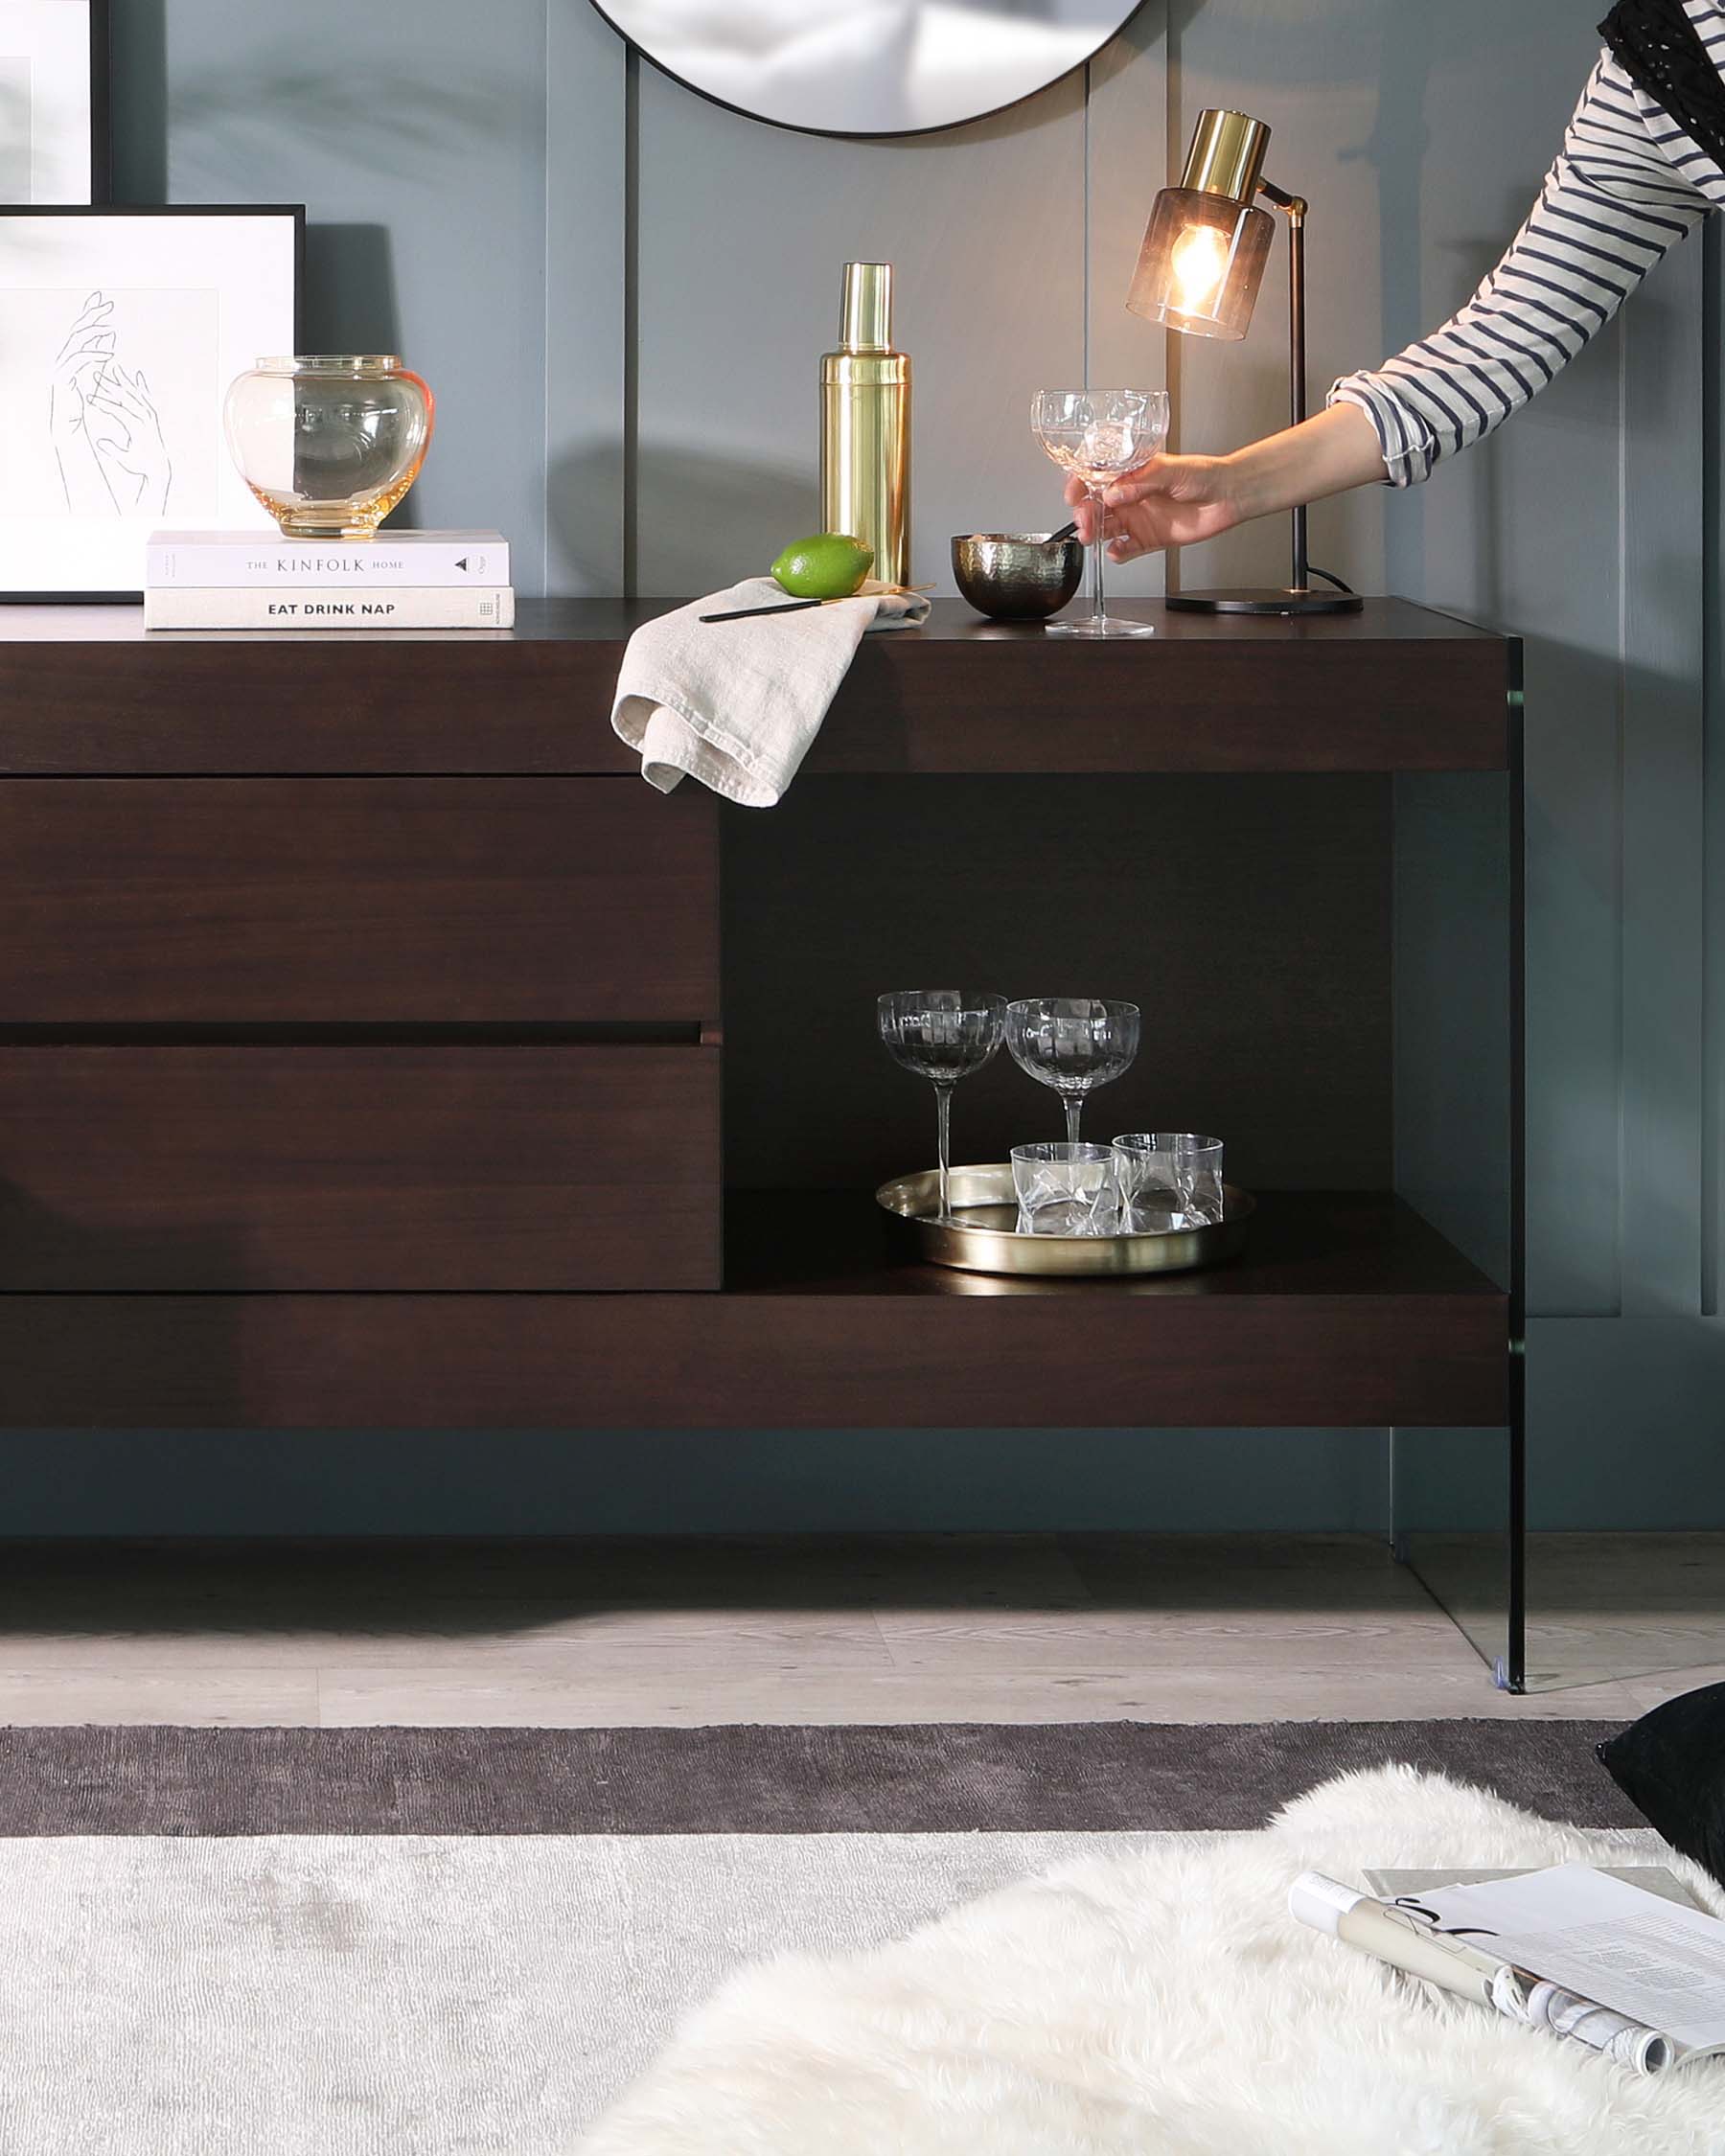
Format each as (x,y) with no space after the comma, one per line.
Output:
(1100,433)
(1072,1043)
(329,443)
(943,1034)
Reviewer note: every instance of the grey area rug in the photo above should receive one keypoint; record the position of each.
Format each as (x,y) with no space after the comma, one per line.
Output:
(466,1942)
(951,1777)
(410,1995)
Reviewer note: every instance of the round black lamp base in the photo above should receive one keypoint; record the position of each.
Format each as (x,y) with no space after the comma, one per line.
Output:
(1264,601)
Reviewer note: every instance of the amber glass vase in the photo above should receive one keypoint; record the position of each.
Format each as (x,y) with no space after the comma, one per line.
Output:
(329,443)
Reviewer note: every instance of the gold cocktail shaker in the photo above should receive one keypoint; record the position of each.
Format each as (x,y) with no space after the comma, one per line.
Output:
(865,425)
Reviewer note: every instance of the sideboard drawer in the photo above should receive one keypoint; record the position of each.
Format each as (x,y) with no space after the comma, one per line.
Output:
(383,900)
(214,1169)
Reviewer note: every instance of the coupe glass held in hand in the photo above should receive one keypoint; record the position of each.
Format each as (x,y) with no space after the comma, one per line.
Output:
(943,1034)
(1072,1043)
(1100,433)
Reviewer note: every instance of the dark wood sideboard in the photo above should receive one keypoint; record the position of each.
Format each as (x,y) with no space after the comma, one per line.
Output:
(377,1050)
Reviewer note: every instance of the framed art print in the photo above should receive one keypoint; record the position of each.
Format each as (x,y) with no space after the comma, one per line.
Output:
(122,330)
(53,100)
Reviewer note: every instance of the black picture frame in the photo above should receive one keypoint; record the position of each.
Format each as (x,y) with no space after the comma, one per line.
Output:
(93,166)
(101,104)
(78,211)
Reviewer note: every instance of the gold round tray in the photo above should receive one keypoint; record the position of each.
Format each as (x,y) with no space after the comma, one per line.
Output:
(982,1236)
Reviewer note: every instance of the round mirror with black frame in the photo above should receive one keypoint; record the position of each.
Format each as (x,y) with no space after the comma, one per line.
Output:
(867,67)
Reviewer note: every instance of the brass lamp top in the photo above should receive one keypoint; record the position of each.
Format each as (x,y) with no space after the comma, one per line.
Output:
(1227,156)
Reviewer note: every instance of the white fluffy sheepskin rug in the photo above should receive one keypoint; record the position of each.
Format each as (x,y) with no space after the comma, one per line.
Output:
(1164,2003)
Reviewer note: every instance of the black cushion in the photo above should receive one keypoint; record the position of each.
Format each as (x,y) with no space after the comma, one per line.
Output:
(1671,1767)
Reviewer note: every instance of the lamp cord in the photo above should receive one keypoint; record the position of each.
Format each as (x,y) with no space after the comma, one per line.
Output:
(1313,570)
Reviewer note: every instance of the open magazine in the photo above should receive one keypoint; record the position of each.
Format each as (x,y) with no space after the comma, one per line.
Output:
(1590,1954)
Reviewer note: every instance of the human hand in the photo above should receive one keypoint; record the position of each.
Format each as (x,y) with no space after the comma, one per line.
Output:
(1176,501)
(1169,502)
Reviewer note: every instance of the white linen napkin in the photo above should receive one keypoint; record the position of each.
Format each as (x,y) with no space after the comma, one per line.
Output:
(737,705)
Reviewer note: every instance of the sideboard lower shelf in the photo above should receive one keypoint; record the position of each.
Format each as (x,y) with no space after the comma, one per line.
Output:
(1345,1310)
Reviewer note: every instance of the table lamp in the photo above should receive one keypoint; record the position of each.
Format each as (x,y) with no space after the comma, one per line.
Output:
(1199,272)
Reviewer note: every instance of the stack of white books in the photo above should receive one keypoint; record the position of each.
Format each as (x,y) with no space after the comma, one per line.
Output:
(262,579)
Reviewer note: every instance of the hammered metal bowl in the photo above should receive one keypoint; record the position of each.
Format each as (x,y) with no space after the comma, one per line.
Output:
(1017,576)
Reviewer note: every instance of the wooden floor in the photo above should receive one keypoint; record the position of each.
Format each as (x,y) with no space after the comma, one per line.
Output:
(1013,1629)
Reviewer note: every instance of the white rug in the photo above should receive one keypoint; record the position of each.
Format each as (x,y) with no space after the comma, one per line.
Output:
(1163,2002)
(411,1995)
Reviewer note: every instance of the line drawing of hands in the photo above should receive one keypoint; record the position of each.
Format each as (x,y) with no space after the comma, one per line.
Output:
(106,432)
(78,366)
(127,432)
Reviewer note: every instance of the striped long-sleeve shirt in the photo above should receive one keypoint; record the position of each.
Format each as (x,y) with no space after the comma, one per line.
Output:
(1628,186)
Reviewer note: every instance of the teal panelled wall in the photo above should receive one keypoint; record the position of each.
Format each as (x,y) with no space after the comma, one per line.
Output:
(418,142)
(1590,525)
(620,293)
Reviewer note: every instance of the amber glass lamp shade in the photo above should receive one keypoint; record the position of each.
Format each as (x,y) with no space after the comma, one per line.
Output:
(1202,262)
(1199,272)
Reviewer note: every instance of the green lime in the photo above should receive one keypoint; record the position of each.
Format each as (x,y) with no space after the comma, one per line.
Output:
(831,565)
